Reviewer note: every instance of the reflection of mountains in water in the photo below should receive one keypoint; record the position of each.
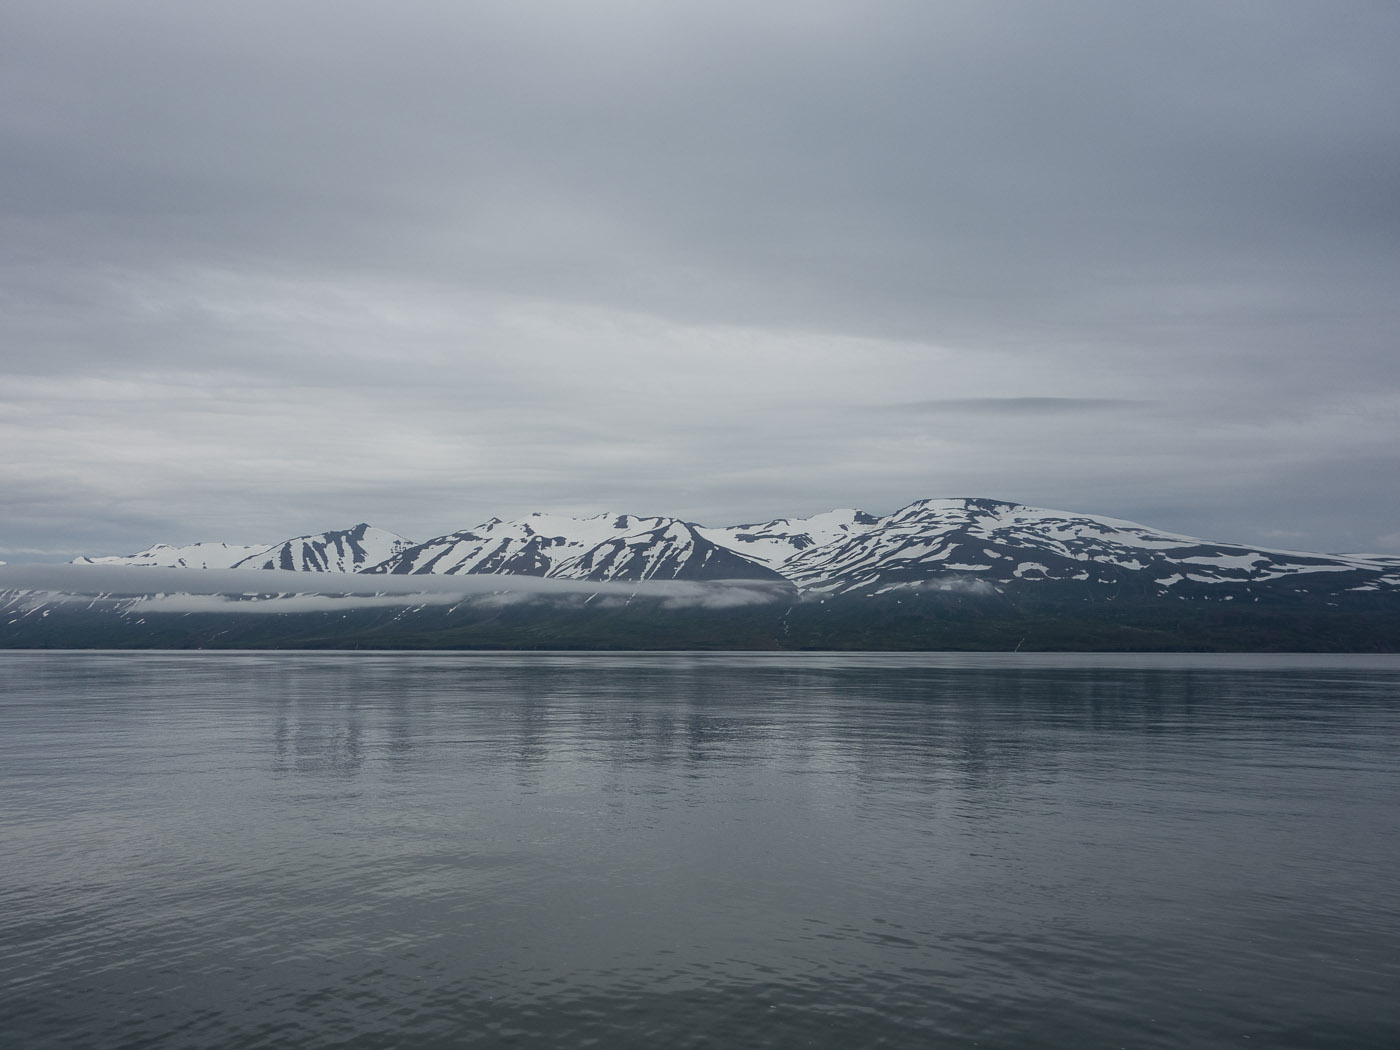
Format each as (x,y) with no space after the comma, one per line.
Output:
(543,721)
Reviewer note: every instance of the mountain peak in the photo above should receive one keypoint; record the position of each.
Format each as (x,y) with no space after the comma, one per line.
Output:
(342,550)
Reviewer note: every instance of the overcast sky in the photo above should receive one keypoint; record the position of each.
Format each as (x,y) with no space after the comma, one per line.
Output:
(275,268)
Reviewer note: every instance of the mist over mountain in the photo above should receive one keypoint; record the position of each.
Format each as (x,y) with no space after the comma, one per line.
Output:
(964,573)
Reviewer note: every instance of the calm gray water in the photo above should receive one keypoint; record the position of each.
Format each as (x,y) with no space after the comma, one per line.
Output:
(442,850)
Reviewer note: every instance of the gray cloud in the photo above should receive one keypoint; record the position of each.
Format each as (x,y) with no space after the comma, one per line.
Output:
(271,269)
(1034,406)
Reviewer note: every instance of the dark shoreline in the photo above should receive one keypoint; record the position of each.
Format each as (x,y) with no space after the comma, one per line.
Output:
(913,624)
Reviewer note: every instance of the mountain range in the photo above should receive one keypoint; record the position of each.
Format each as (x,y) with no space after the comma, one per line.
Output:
(938,574)
(966,545)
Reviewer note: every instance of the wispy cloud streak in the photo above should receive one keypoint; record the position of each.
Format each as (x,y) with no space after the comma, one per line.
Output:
(162,590)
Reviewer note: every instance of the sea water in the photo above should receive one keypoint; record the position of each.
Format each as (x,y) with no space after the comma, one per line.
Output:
(304,850)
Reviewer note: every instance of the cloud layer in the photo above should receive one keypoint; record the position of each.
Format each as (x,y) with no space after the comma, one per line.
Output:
(271,269)
(160,590)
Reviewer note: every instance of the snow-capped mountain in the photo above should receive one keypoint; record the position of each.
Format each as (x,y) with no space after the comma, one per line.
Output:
(936,574)
(345,550)
(190,556)
(932,544)
(601,547)
(775,543)
(958,542)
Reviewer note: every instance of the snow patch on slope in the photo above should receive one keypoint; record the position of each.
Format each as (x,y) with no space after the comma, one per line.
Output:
(346,550)
(190,556)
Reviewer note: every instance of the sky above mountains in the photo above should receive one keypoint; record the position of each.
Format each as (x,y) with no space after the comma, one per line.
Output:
(272,269)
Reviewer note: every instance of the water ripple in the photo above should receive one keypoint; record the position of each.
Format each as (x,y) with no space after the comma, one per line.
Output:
(431,850)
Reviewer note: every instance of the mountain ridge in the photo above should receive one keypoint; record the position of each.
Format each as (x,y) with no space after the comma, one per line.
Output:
(341,550)
(948,544)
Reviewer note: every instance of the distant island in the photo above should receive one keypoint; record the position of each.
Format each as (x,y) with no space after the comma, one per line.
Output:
(938,574)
